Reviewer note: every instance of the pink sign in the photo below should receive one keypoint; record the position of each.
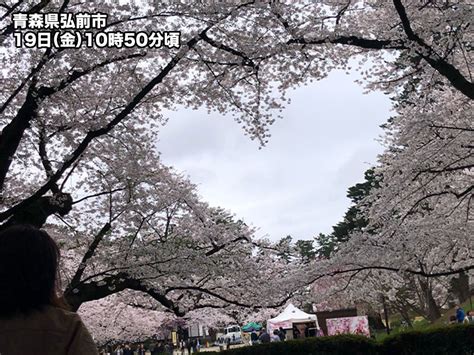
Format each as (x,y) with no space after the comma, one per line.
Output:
(348,325)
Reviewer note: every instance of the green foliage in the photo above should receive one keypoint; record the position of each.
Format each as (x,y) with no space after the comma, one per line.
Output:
(451,340)
(284,248)
(353,219)
(305,250)
(326,244)
(341,344)
(357,192)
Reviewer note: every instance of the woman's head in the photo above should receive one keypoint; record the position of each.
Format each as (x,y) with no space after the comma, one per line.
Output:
(29,260)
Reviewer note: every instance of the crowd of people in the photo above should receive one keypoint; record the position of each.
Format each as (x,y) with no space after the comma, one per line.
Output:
(264,337)
(191,345)
(160,348)
(280,334)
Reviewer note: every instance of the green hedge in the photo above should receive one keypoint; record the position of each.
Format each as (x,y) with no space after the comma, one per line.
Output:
(452,340)
(341,344)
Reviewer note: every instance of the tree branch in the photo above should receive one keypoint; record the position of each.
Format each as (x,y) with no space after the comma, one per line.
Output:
(446,69)
(91,135)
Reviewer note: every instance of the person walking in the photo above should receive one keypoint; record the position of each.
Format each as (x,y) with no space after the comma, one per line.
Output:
(264,337)
(319,332)
(460,314)
(127,350)
(296,332)
(282,334)
(253,337)
(157,348)
(168,348)
(118,350)
(275,337)
(469,319)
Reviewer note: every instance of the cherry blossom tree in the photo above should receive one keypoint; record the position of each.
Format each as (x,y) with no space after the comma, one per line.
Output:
(157,237)
(61,102)
(109,320)
(79,127)
(420,212)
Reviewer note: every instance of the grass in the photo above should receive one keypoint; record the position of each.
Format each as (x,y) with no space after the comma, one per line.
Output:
(419,324)
(452,311)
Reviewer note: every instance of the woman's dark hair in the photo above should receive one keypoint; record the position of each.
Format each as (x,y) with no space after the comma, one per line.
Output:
(29,260)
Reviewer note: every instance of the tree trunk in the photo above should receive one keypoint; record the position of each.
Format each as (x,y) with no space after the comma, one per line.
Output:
(12,133)
(432,309)
(403,310)
(38,212)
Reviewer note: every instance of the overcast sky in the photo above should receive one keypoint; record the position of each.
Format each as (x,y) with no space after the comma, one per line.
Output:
(297,184)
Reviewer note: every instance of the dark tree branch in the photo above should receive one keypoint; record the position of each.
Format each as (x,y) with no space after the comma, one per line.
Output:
(124,269)
(44,158)
(391,269)
(13,132)
(225,299)
(91,135)
(88,255)
(246,61)
(341,12)
(36,8)
(353,41)
(443,67)
(85,292)
(45,91)
(406,22)
(436,194)
(99,194)
(445,169)
(218,248)
(37,212)
(467,129)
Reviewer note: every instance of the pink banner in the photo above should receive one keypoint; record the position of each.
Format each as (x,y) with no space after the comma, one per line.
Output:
(284,325)
(348,325)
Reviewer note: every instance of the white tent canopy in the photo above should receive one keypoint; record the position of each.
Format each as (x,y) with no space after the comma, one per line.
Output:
(291,315)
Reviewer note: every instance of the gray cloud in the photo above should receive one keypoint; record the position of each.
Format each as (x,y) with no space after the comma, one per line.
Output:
(297,184)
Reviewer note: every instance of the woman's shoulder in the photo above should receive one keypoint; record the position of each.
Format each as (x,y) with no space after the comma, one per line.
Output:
(51,329)
(81,340)
(47,318)
(63,314)
(60,318)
